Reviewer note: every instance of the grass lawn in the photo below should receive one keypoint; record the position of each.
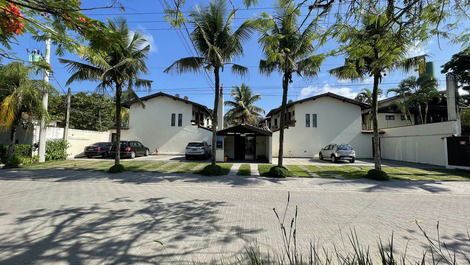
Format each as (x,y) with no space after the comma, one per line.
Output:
(263,169)
(298,171)
(244,170)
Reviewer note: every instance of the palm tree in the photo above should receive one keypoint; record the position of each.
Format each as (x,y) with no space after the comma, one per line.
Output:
(287,50)
(23,101)
(365,96)
(115,64)
(421,90)
(373,49)
(217,45)
(403,91)
(243,109)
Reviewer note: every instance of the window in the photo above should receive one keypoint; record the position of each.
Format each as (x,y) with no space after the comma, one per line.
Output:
(275,123)
(173,119)
(289,116)
(314,120)
(180,120)
(307,120)
(390,117)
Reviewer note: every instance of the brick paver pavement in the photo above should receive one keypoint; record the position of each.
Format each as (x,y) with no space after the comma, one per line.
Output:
(84,217)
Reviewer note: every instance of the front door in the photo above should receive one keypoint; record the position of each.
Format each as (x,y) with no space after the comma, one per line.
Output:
(239,147)
(250,145)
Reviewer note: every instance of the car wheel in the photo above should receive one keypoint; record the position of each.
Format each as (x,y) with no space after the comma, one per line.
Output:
(146,152)
(132,155)
(333,159)
(186,157)
(104,155)
(353,160)
(320,156)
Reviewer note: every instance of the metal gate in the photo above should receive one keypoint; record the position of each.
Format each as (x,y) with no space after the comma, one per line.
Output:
(458,151)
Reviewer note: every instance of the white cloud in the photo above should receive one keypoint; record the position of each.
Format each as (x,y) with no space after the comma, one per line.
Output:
(314,90)
(419,48)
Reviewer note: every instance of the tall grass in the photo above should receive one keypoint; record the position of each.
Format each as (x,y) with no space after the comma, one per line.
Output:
(436,252)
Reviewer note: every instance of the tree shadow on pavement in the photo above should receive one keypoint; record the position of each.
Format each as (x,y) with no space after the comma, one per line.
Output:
(121,231)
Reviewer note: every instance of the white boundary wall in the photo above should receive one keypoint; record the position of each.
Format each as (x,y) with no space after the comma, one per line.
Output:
(419,143)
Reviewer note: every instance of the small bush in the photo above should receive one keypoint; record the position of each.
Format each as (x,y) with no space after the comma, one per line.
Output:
(279,172)
(377,175)
(116,169)
(56,149)
(24,150)
(211,170)
(16,161)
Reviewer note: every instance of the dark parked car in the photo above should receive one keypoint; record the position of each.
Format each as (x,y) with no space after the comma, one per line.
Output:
(198,149)
(336,152)
(98,149)
(131,149)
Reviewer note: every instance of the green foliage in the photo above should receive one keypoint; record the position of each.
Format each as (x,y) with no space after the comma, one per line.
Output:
(465,118)
(20,149)
(365,96)
(458,66)
(116,169)
(56,149)
(89,111)
(377,175)
(244,170)
(243,110)
(279,172)
(13,161)
(214,170)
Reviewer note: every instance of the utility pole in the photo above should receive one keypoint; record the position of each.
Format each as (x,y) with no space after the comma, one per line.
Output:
(45,99)
(67,115)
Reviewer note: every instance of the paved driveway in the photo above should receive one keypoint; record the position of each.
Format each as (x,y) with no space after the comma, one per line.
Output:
(81,217)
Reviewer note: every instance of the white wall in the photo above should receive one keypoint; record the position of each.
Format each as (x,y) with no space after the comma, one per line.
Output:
(152,126)
(419,143)
(384,123)
(337,122)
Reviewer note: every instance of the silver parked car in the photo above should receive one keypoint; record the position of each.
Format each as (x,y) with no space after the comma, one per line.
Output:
(198,149)
(336,152)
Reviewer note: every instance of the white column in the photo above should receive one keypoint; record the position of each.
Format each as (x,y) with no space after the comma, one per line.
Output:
(45,99)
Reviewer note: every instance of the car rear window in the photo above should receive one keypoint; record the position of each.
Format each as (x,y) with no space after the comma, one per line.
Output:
(196,144)
(344,147)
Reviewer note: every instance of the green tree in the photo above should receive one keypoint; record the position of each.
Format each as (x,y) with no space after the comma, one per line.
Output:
(288,50)
(89,111)
(115,64)
(243,110)
(378,46)
(365,96)
(218,45)
(23,103)
(459,67)
(419,92)
(403,92)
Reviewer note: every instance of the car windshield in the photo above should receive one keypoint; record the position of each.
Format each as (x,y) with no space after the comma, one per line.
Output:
(195,145)
(344,147)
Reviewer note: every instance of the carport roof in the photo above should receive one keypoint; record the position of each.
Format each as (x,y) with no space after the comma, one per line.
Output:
(244,128)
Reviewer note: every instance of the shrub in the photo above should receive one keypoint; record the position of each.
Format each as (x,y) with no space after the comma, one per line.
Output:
(377,175)
(116,169)
(56,149)
(279,172)
(211,170)
(16,161)
(24,150)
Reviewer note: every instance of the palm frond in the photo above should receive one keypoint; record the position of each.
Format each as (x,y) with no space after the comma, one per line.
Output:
(239,69)
(188,64)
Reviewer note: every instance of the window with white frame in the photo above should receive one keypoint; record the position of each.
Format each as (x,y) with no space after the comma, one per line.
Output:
(307,120)
(180,120)
(173,119)
(314,120)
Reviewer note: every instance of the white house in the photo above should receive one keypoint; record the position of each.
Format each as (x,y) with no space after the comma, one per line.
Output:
(317,121)
(166,123)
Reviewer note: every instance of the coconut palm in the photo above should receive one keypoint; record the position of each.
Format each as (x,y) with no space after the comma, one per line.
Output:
(420,91)
(365,96)
(288,49)
(115,64)
(22,103)
(373,49)
(217,45)
(243,110)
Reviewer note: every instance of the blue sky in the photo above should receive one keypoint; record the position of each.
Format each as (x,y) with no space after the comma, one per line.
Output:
(169,45)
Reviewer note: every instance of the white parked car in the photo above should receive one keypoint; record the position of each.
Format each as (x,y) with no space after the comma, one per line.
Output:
(336,152)
(198,149)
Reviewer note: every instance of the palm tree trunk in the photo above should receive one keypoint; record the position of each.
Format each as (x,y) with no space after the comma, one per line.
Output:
(375,126)
(285,87)
(117,143)
(420,111)
(11,148)
(215,116)
(426,108)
